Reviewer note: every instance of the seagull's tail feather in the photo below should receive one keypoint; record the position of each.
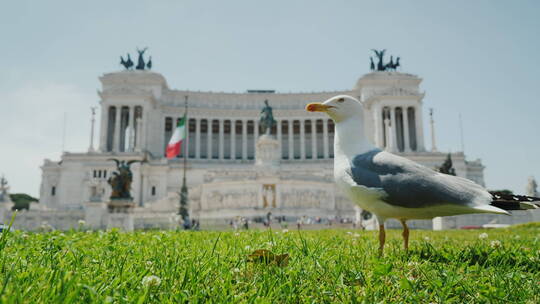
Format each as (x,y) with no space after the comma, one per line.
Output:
(514,202)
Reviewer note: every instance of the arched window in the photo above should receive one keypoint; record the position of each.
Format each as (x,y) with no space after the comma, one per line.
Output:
(192,137)
(238,139)
(308,138)
(285,139)
(319,128)
(331,132)
(412,127)
(110,128)
(250,139)
(204,138)
(400,134)
(215,139)
(227,139)
(124,121)
(296,138)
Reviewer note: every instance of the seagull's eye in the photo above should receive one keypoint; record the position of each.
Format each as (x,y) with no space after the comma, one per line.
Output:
(341,100)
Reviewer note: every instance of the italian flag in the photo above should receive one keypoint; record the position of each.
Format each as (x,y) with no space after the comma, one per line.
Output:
(175,144)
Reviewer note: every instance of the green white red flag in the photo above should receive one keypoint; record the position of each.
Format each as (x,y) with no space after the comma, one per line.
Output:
(179,134)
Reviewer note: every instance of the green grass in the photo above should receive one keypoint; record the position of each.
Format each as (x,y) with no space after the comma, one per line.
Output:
(324,267)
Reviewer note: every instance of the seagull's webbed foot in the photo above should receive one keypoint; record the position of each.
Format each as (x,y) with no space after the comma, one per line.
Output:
(382,239)
(405,235)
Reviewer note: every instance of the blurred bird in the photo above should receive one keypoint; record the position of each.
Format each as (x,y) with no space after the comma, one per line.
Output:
(391,186)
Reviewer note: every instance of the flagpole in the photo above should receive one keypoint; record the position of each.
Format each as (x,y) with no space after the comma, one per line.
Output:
(184,190)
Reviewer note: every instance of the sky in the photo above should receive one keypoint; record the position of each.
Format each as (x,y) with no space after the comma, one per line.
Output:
(477,59)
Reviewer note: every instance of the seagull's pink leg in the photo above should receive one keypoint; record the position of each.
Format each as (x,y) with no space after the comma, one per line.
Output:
(382,239)
(405,234)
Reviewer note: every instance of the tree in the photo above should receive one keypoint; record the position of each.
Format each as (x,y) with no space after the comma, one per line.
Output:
(22,201)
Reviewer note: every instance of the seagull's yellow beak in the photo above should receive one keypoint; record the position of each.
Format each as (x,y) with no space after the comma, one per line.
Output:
(317,107)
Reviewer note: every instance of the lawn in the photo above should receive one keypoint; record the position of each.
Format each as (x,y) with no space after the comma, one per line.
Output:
(480,266)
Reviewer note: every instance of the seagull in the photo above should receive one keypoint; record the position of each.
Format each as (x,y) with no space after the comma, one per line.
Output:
(391,186)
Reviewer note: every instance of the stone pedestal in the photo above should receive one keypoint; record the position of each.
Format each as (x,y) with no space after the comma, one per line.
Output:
(123,221)
(120,214)
(444,223)
(95,214)
(267,151)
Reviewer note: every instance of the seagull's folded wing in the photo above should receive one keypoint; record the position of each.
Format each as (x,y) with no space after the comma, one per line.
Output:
(411,185)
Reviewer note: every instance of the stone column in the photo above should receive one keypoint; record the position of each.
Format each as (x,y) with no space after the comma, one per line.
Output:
(209,139)
(278,136)
(138,145)
(393,128)
(197,138)
(131,128)
(389,135)
(302,139)
(233,139)
(142,129)
(325,138)
(116,140)
(255,136)
(377,126)
(291,140)
(221,139)
(313,139)
(256,129)
(419,128)
(406,130)
(244,139)
(104,129)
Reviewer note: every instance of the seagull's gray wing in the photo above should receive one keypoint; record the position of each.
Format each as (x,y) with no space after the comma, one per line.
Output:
(411,185)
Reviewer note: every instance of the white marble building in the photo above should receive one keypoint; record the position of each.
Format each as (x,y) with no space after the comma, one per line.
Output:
(138,114)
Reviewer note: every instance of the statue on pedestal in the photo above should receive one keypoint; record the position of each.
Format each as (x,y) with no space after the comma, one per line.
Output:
(121,180)
(381,66)
(267,120)
(140,63)
(447,167)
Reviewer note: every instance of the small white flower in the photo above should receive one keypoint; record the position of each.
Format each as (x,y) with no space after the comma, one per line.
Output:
(483,236)
(348,232)
(236,270)
(495,244)
(285,230)
(149,263)
(270,244)
(62,234)
(88,231)
(150,281)
(412,264)
(236,233)
(247,247)
(24,236)
(426,239)
(82,222)
(356,235)
(411,278)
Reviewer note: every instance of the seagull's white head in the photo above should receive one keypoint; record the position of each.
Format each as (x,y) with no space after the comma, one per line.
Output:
(339,108)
